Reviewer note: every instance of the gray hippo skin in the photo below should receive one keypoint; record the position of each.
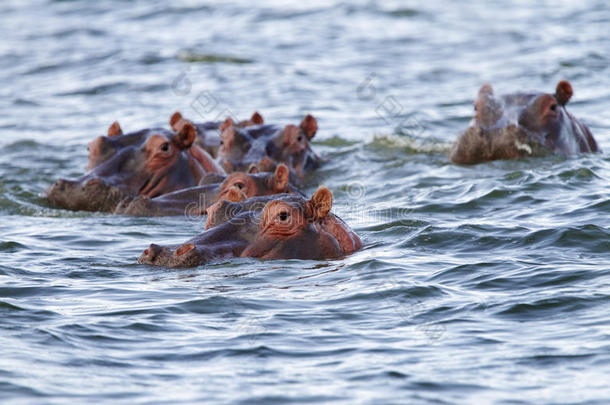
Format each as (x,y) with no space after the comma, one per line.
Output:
(522,125)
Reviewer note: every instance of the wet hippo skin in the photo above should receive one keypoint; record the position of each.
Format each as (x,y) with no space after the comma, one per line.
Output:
(208,133)
(522,125)
(194,201)
(149,163)
(276,227)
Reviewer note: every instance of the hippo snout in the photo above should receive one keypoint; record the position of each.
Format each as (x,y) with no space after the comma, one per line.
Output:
(60,190)
(63,185)
(151,254)
(187,255)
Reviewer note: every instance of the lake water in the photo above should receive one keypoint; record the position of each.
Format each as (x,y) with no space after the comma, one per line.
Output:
(478,284)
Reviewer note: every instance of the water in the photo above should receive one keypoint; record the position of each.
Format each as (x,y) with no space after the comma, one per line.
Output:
(482,284)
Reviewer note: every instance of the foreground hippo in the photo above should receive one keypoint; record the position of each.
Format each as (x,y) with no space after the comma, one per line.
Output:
(158,163)
(194,201)
(265,146)
(208,133)
(285,227)
(522,125)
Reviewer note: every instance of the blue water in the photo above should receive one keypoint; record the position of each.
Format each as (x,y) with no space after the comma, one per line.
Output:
(478,284)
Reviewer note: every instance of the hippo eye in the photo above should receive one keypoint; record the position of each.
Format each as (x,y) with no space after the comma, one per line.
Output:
(239,185)
(300,138)
(554,107)
(222,142)
(165,147)
(283,216)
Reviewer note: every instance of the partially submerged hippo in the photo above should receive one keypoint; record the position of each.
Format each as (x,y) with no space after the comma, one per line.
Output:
(194,201)
(103,148)
(285,227)
(522,125)
(208,133)
(158,163)
(265,146)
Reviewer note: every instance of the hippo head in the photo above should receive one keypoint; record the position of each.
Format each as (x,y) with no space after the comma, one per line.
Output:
(103,148)
(254,183)
(234,145)
(241,147)
(177,120)
(292,146)
(156,164)
(275,227)
(522,125)
(208,133)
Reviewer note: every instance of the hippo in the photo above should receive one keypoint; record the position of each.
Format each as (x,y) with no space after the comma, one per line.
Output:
(522,125)
(103,148)
(194,201)
(208,133)
(265,146)
(285,226)
(159,163)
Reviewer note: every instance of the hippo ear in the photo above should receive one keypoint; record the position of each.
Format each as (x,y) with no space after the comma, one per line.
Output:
(309,125)
(266,164)
(563,92)
(175,121)
(185,138)
(115,129)
(281,177)
(486,90)
(320,204)
(257,118)
(227,123)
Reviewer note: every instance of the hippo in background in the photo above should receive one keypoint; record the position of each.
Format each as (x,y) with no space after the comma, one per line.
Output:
(276,227)
(265,146)
(152,163)
(522,125)
(103,148)
(208,133)
(194,201)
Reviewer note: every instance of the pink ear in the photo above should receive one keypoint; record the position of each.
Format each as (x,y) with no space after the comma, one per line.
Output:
(115,129)
(227,123)
(321,202)
(486,89)
(175,120)
(563,92)
(185,138)
(309,125)
(281,177)
(257,118)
